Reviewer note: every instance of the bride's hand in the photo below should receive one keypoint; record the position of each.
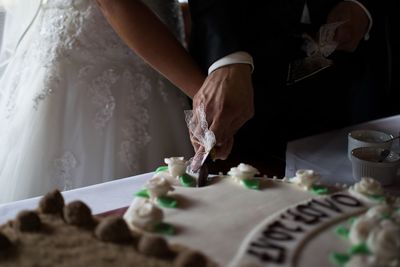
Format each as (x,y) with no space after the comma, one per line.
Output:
(154,42)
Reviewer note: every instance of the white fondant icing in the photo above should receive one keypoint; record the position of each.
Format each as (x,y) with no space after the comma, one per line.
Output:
(305,179)
(224,208)
(278,240)
(142,214)
(158,186)
(284,226)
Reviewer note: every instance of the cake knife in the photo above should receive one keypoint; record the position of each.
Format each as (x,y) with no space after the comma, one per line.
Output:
(203,171)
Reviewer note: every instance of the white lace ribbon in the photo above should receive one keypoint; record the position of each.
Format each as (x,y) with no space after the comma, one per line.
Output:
(200,134)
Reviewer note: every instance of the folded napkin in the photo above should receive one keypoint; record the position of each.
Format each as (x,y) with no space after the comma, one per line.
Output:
(317,52)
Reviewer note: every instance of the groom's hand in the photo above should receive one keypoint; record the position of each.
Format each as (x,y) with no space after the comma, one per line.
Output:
(349,35)
(227,96)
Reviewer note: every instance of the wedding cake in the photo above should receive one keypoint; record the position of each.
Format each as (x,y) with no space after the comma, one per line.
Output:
(236,220)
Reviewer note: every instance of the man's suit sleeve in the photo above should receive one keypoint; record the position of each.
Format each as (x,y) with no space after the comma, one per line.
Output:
(217,29)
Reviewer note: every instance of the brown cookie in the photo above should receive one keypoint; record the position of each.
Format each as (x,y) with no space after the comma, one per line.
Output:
(79,214)
(52,203)
(5,243)
(190,259)
(113,229)
(27,221)
(154,246)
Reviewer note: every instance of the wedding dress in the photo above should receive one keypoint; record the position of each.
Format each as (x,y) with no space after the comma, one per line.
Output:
(77,107)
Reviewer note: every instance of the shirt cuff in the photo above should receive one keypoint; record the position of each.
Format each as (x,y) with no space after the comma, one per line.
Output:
(239,57)
(366,36)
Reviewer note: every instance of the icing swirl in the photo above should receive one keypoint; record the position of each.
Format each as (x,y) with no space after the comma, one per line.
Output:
(379,211)
(176,166)
(243,171)
(396,216)
(368,186)
(143,214)
(361,228)
(305,178)
(396,203)
(158,186)
(384,242)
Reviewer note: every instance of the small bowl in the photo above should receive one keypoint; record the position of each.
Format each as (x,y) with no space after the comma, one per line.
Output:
(368,138)
(368,162)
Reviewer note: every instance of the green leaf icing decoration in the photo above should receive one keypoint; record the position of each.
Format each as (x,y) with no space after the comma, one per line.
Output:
(339,259)
(378,198)
(342,231)
(319,190)
(251,183)
(164,229)
(358,249)
(142,193)
(162,168)
(186,180)
(167,202)
(352,220)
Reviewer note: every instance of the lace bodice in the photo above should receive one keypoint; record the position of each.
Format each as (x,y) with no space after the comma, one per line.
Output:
(79,25)
(73,71)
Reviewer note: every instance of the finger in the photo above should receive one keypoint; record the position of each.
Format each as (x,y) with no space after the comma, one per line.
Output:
(196,145)
(343,35)
(222,132)
(223,150)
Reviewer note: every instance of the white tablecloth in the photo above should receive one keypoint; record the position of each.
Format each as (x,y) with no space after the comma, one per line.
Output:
(327,153)
(100,198)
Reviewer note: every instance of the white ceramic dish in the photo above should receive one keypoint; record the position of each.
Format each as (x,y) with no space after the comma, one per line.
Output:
(368,162)
(368,138)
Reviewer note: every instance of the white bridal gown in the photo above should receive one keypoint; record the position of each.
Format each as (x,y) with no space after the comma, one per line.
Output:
(77,107)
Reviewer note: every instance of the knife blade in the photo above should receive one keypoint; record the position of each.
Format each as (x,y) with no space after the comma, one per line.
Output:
(203,176)
(203,171)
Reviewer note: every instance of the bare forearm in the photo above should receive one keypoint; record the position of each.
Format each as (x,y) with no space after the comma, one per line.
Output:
(151,39)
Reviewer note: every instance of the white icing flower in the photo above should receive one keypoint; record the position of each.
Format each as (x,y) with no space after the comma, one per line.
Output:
(384,242)
(158,186)
(362,261)
(176,166)
(305,178)
(396,216)
(396,203)
(379,211)
(143,214)
(368,186)
(243,171)
(360,229)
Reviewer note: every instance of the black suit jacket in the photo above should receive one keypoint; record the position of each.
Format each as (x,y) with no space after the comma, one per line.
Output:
(262,27)
(267,29)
